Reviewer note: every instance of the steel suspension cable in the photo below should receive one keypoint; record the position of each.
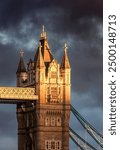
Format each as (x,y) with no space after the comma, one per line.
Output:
(82,143)
(88,127)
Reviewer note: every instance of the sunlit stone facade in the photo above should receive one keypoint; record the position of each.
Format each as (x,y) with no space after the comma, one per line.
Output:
(44,124)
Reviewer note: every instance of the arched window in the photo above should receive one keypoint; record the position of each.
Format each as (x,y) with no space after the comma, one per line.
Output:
(47,121)
(52,145)
(53,72)
(47,144)
(58,145)
(52,121)
(58,121)
(54,93)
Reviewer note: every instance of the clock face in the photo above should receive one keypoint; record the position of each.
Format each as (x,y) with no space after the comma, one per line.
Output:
(53,68)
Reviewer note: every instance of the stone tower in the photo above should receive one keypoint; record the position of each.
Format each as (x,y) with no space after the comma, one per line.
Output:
(44,124)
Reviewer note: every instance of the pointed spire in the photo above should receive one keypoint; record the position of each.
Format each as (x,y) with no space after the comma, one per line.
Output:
(21,53)
(65,48)
(43,28)
(43,34)
(65,61)
(41,61)
(21,65)
(46,52)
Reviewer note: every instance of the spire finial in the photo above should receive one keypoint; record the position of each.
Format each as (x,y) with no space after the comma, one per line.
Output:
(21,53)
(43,34)
(65,47)
(43,28)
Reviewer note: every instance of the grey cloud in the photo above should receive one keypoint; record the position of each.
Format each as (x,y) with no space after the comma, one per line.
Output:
(79,23)
(8,143)
(12,12)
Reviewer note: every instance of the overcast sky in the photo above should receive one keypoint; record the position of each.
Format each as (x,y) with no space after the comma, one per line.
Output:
(77,22)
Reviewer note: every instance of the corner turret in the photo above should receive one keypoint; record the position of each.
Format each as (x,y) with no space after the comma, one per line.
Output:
(65,70)
(21,71)
(65,61)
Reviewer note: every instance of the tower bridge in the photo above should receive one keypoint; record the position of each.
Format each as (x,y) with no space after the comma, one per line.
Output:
(42,97)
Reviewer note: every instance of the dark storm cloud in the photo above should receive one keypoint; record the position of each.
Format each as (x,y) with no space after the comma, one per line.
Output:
(77,22)
(7,64)
(9,58)
(12,12)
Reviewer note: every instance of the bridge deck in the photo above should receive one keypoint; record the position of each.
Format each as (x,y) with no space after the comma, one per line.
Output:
(12,95)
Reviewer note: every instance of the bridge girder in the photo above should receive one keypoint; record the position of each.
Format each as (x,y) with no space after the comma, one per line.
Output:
(14,95)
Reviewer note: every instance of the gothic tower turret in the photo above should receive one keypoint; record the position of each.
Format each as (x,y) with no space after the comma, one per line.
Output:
(53,108)
(21,71)
(66,75)
(47,124)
